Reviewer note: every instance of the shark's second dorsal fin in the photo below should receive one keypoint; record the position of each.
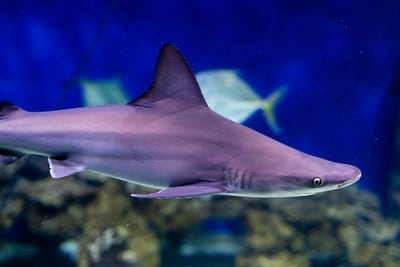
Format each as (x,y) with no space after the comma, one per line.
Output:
(173,79)
(7,109)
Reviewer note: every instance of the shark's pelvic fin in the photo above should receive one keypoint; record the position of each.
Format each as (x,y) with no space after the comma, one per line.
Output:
(7,159)
(63,167)
(191,190)
(173,79)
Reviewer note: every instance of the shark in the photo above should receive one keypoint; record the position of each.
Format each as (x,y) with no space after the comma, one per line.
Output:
(170,140)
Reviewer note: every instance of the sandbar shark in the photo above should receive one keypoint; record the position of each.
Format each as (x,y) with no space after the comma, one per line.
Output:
(170,140)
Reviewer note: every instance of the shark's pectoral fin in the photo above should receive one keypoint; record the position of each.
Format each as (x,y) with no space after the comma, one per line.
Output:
(191,190)
(63,167)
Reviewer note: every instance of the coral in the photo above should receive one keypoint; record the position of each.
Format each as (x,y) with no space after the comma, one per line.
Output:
(116,235)
(281,259)
(336,228)
(267,231)
(54,193)
(174,216)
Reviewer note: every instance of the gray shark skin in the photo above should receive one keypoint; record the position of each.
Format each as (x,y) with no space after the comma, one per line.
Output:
(170,140)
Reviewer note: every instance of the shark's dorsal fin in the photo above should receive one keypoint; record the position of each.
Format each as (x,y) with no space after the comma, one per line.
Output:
(173,79)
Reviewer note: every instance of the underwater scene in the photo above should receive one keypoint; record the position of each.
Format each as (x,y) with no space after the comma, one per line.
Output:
(200,133)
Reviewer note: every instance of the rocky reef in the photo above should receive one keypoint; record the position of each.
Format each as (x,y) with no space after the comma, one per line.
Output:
(96,221)
(115,234)
(342,228)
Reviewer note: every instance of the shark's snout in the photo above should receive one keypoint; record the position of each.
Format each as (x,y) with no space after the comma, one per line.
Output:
(352,175)
(357,173)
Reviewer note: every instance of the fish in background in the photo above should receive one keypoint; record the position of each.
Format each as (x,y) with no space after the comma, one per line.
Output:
(225,92)
(214,236)
(232,97)
(103,92)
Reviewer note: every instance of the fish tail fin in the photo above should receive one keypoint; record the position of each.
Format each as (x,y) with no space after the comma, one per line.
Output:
(268,106)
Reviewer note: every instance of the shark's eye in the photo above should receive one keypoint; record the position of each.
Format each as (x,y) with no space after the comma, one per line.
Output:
(317,182)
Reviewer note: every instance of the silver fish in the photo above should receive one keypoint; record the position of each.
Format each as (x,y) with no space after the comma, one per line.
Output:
(232,97)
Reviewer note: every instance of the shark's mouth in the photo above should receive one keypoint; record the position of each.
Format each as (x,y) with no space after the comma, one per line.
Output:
(348,182)
(351,181)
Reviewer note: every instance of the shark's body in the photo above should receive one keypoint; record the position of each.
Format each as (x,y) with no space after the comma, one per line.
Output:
(168,139)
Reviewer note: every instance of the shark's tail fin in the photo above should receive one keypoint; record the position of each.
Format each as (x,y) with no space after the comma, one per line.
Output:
(268,106)
(8,109)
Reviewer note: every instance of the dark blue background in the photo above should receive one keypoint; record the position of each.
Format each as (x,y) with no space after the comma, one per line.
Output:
(338,58)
